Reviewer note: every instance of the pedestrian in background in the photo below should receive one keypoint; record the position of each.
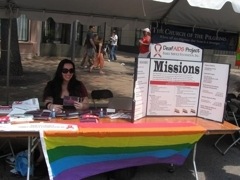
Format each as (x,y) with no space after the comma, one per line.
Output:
(99,59)
(90,47)
(114,41)
(144,43)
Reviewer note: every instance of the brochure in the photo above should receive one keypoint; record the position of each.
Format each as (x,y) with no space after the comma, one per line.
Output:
(69,100)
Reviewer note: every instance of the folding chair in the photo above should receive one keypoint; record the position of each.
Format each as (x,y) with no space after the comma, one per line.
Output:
(231,114)
(100,94)
(230,97)
(121,103)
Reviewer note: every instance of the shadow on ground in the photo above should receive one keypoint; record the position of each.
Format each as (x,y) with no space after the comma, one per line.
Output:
(28,78)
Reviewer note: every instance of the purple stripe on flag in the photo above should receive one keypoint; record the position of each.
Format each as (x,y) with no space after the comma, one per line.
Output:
(97,168)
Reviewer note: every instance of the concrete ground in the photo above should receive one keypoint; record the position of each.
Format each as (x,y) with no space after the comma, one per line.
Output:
(118,78)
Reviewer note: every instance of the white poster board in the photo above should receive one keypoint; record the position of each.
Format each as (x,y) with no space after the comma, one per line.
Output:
(213,91)
(181,86)
(141,87)
(174,87)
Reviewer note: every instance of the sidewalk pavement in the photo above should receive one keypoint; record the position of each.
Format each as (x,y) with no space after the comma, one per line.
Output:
(118,77)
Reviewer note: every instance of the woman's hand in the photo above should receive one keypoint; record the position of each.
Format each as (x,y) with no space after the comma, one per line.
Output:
(82,105)
(58,108)
(78,105)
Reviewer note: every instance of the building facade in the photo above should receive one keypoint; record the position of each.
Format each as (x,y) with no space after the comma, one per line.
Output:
(49,38)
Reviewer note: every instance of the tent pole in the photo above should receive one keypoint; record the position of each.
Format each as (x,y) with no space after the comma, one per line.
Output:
(74,31)
(104,33)
(8,54)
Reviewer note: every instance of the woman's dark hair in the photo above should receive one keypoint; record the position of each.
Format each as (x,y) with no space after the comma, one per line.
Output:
(58,74)
(55,86)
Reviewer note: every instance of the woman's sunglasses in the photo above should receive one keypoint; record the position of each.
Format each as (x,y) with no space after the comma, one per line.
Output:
(65,71)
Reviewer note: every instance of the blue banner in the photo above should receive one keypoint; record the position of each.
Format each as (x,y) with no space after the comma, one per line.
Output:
(203,38)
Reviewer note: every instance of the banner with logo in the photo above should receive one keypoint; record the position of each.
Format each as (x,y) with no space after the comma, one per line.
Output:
(238,55)
(203,38)
(176,50)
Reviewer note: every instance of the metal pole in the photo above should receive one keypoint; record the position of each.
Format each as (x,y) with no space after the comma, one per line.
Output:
(194,161)
(8,53)
(104,31)
(74,30)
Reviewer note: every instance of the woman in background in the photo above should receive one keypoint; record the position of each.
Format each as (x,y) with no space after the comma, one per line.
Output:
(99,59)
(144,43)
(63,84)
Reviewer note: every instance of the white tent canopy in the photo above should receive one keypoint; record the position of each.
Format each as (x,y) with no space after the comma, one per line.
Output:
(219,15)
(213,14)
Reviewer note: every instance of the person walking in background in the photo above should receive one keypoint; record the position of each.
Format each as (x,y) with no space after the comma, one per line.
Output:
(144,43)
(114,40)
(90,47)
(99,59)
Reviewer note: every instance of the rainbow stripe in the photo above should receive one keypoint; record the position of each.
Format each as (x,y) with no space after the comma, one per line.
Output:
(98,148)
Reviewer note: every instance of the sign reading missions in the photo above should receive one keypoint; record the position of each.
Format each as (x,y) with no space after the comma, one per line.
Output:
(175,82)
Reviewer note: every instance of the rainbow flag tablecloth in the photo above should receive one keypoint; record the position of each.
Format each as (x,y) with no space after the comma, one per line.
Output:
(102,147)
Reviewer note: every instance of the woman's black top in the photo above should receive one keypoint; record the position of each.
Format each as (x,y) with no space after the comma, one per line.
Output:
(54,90)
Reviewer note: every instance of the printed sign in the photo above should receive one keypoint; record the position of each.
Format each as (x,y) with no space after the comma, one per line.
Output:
(38,127)
(213,91)
(202,38)
(175,82)
(174,87)
(141,87)
(176,50)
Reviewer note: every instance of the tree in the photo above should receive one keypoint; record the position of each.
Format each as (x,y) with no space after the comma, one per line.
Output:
(16,68)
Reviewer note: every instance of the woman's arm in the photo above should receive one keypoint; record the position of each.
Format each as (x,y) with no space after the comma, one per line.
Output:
(49,105)
(99,49)
(81,91)
(48,99)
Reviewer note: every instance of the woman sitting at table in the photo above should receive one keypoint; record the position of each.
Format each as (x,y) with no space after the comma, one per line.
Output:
(65,84)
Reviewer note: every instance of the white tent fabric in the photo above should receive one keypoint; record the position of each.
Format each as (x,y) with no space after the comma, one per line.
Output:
(224,19)
(212,14)
(213,4)
(219,15)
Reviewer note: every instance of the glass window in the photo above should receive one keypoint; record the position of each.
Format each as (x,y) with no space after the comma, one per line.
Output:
(79,34)
(138,35)
(22,25)
(56,32)
(22,28)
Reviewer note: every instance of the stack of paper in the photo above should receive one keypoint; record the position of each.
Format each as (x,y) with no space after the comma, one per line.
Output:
(17,118)
(120,116)
(5,109)
(20,107)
